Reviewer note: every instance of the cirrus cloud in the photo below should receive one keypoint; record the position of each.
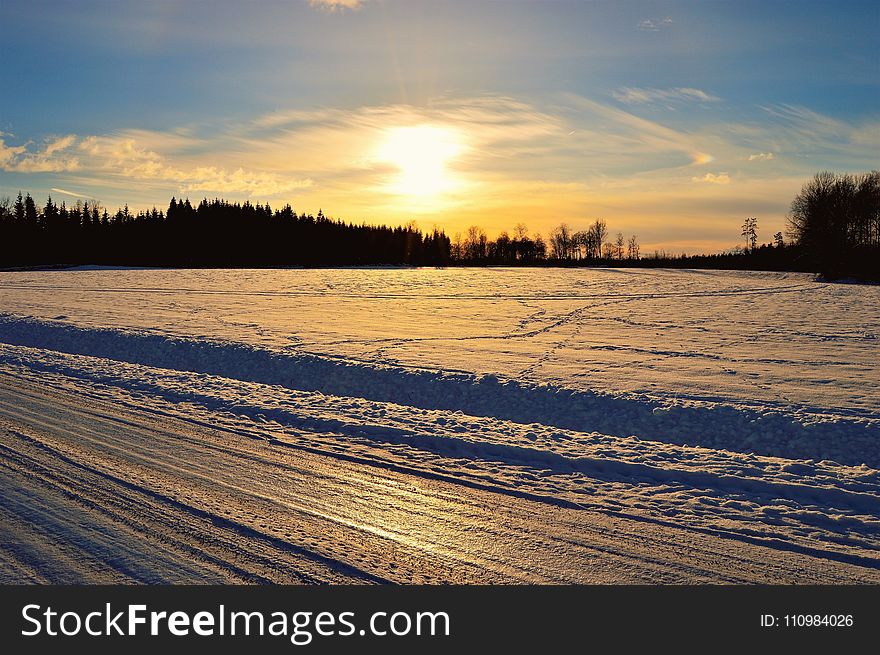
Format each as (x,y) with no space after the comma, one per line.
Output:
(635,95)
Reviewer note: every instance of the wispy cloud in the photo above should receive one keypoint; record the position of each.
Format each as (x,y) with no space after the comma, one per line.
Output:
(802,129)
(635,95)
(805,135)
(642,136)
(712,178)
(125,157)
(654,25)
(253,183)
(336,5)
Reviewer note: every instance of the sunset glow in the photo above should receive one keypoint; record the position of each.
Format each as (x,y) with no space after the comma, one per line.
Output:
(672,122)
(421,154)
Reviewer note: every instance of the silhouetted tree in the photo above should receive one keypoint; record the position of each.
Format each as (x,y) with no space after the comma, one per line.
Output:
(599,231)
(475,244)
(835,219)
(214,233)
(19,210)
(632,251)
(30,211)
(560,242)
(750,232)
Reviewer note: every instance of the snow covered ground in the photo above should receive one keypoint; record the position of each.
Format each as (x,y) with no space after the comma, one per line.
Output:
(426,425)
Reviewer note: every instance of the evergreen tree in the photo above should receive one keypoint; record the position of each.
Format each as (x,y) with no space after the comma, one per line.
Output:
(30,211)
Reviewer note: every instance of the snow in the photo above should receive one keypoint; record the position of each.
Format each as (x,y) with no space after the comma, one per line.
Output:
(734,405)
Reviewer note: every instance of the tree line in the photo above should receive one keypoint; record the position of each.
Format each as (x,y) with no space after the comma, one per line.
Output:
(213,233)
(564,246)
(222,233)
(833,228)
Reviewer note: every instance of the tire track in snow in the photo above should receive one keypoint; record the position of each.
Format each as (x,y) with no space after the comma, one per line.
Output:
(580,543)
(612,471)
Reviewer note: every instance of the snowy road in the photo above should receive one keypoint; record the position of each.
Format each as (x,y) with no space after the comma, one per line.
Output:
(96,491)
(438,426)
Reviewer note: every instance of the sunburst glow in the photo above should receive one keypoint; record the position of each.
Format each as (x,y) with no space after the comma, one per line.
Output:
(421,153)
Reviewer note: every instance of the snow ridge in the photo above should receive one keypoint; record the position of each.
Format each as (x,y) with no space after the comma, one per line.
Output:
(795,432)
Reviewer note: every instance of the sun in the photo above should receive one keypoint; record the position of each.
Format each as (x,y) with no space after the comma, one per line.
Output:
(421,153)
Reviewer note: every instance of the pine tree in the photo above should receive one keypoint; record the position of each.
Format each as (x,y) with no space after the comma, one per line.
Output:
(30,211)
(19,210)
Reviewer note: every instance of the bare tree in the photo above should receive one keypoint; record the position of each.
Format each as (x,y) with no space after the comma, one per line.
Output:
(540,247)
(618,243)
(599,231)
(633,248)
(560,241)
(475,243)
(580,245)
(457,250)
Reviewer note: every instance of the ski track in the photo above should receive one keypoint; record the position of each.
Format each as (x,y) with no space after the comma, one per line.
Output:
(584,434)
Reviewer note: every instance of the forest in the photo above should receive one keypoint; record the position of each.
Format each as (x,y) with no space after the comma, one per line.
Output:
(215,233)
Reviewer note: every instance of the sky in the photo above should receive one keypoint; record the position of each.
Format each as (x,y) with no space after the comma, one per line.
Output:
(673,121)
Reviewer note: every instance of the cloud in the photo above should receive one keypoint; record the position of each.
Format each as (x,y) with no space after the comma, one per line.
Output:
(9,154)
(336,5)
(239,181)
(638,136)
(711,178)
(121,156)
(61,143)
(810,140)
(654,25)
(343,143)
(805,119)
(635,95)
(130,160)
(48,159)
(798,128)
(508,147)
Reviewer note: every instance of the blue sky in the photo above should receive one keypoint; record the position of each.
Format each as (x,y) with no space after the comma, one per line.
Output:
(672,120)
